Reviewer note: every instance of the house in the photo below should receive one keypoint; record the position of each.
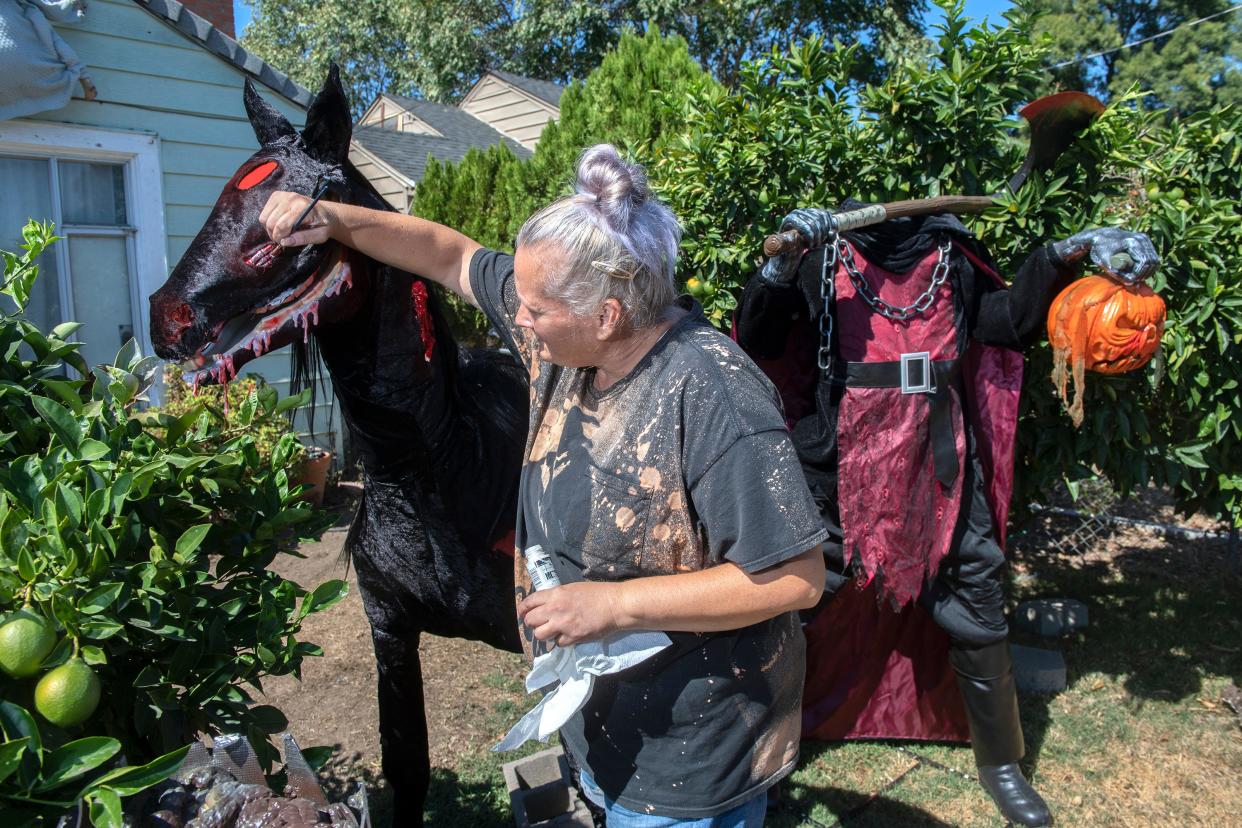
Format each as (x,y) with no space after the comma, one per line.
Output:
(396,134)
(130,177)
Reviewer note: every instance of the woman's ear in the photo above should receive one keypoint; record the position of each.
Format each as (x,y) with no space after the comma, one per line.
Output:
(611,315)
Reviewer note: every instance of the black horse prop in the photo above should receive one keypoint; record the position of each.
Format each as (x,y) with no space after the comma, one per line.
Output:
(439,430)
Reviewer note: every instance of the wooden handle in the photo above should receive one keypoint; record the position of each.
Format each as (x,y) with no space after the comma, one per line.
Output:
(778,243)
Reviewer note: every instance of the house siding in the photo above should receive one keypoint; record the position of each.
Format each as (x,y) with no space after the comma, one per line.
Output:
(391,188)
(509,110)
(154,80)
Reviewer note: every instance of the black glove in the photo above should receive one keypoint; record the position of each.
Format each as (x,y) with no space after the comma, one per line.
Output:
(1128,255)
(815,226)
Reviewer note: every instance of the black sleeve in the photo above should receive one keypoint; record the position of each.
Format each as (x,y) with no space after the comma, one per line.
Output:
(765,315)
(491,280)
(753,504)
(1015,317)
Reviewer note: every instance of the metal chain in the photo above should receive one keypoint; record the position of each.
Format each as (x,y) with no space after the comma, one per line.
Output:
(939,274)
(827,291)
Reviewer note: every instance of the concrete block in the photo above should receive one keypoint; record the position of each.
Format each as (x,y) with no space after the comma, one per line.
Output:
(1036,670)
(1051,617)
(541,792)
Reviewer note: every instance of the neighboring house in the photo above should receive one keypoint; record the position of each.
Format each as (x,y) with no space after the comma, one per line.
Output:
(130,177)
(396,134)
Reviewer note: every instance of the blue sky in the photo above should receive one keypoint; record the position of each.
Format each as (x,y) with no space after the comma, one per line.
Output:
(974,8)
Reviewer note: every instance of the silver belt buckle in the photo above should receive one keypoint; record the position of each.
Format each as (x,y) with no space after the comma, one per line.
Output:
(916,373)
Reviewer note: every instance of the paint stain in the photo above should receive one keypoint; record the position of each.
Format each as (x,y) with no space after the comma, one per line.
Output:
(625,518)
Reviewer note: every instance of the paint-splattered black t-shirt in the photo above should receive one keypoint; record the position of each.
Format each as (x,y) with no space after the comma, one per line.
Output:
(683,464)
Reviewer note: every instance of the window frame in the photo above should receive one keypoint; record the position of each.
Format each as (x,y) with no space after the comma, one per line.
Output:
(139,154)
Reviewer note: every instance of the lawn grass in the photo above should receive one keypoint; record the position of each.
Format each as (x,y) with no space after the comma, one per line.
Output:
(1139,737)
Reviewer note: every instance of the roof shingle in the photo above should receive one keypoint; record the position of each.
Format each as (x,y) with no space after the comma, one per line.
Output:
(453,123)
(543,90)
(407,151)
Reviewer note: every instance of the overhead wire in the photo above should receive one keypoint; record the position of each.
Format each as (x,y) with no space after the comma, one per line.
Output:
(1156,36)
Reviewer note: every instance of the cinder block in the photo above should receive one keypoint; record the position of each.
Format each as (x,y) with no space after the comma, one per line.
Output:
(541,792)
(1036,670)
(1051,617)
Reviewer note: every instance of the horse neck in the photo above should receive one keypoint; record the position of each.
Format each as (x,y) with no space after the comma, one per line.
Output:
(393,365)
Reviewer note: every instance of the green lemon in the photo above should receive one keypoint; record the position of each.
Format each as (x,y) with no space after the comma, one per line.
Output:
(25,640)
(69,694)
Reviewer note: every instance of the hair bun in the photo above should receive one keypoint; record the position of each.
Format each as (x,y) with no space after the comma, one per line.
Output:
(618,186)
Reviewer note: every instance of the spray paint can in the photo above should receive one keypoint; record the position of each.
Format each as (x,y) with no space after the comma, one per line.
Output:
(539,566)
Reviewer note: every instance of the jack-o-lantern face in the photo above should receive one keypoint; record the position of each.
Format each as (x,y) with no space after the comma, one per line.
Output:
(1100,324)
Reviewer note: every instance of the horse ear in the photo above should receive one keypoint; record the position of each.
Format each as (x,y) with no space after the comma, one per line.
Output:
(269,125)
(328,122)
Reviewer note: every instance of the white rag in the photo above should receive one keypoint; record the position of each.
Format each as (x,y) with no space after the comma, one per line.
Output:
(570,673)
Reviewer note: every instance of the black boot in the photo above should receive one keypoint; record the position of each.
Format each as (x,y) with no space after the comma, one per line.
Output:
(985,677)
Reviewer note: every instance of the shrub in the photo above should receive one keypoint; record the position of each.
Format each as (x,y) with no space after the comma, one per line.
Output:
(253,405)
(795,133)
(143,541)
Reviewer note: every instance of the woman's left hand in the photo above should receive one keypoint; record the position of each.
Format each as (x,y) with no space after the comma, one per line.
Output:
(573,613)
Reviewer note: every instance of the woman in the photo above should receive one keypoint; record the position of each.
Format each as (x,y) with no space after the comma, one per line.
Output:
(660,478)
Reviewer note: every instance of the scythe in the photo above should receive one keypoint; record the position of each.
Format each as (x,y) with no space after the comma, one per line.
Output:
(1054,120)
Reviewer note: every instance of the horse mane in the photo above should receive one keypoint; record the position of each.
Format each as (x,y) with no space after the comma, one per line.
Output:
(305,366)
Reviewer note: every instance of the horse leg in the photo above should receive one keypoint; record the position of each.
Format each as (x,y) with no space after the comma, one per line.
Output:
(402,723)
(388,601)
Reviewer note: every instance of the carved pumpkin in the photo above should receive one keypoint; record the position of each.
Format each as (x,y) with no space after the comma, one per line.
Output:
(1100,324)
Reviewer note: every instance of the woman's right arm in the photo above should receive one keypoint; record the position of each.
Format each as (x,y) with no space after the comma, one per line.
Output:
(409,243)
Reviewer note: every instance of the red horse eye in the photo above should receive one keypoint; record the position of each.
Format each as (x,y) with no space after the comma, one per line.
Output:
(258,174)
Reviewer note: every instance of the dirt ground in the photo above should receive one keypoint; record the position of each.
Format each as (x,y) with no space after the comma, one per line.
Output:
(334,703)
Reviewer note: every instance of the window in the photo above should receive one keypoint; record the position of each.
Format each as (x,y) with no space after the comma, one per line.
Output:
(88,277)
(112,252)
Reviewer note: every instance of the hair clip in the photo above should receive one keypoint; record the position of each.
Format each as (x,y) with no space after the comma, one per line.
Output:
(614,272)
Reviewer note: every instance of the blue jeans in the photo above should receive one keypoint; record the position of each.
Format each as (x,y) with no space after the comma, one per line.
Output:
(747,815)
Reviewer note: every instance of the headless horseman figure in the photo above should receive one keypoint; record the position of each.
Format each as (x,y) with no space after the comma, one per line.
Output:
(902,395)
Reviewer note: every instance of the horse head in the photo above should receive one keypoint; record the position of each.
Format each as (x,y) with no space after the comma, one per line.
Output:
(235,295)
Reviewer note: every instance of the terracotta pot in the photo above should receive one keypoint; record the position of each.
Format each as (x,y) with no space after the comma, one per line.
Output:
(314,472)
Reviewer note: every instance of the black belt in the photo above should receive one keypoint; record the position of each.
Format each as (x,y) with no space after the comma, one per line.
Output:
(916,374)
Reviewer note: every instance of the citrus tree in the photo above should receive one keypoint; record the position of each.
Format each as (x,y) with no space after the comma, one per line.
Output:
(136,607)
(796,132)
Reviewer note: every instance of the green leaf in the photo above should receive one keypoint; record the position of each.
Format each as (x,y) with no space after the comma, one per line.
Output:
(67,391)
(11,756)
(295,401)
(189,542)
(76,758)
(325,595)
(90,449)
(99,598)
(100,630)
(93,655)
(128,356)
(61,419)
(129,781)
(268,718)
(66,329)
(17,723)
(69,504)
(105,808)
